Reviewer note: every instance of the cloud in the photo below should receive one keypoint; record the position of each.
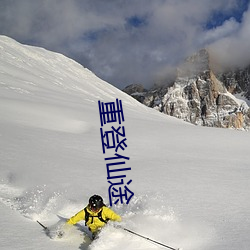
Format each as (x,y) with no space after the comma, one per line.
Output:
(233,49)
(125,42)
(228,28)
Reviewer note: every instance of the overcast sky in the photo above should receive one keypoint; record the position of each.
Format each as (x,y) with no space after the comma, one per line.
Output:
(131,41)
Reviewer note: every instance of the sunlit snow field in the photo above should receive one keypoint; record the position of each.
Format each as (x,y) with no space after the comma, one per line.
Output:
(191,184)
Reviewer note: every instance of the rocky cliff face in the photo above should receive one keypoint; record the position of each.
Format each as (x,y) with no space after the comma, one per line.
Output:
(237,81)
(199,96)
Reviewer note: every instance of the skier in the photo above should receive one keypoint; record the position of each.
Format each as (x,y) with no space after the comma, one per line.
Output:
(95,214)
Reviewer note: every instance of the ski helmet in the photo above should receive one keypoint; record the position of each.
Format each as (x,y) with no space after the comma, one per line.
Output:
(95,202)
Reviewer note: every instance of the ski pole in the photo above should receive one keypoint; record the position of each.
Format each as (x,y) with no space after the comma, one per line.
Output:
(159,243)
(45,228)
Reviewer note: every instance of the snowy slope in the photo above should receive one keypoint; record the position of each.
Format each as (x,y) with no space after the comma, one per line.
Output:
(191,183)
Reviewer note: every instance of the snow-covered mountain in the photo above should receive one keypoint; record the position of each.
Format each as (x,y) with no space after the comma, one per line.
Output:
(201,96)
(190,183)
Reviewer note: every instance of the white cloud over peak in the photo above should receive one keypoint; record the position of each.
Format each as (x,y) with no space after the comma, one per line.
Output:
(233,49)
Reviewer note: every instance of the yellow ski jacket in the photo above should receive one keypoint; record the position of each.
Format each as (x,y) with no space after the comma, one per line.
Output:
(94,223)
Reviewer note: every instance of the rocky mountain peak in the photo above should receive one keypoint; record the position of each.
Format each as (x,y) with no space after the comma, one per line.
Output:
(200,96)
(196,64)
